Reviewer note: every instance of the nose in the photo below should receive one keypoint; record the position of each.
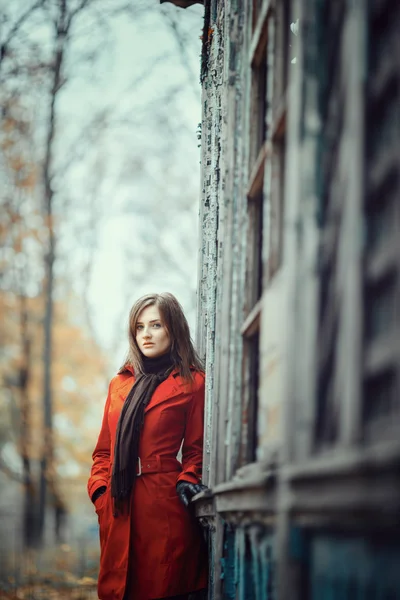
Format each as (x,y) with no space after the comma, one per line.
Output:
(146,334)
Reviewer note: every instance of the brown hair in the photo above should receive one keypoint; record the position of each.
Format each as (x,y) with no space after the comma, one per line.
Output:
(183,353)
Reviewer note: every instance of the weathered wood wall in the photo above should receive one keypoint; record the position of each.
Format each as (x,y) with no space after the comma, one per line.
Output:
(298,322)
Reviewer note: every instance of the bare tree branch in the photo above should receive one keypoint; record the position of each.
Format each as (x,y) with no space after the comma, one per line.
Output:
(17,25)
(105,115)
(181,42)
(82,4)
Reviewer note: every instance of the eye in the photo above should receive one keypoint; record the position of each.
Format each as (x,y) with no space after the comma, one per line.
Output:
(157,325)
(138,327)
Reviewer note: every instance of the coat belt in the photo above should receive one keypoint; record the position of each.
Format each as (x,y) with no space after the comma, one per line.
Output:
(157,464)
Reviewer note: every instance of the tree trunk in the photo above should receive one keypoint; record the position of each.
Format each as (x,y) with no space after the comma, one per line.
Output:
(47,475)
(29,528)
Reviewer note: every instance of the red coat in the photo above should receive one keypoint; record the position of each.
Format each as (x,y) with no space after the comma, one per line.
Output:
(159,537)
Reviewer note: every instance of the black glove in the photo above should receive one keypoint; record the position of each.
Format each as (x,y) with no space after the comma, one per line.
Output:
(99,492)
(187,490)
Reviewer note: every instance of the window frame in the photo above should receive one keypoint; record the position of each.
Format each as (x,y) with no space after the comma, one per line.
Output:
(265,187)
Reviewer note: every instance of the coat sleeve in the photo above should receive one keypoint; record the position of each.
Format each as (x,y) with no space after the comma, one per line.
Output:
(101,454)
(192,450)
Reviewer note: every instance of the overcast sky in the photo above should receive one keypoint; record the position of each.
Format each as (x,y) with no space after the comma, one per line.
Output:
(132,77)
(126,162)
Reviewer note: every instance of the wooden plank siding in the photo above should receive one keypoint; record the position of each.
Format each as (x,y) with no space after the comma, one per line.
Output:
(298,303)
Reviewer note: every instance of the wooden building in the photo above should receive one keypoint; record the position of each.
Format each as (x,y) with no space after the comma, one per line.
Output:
(299,298)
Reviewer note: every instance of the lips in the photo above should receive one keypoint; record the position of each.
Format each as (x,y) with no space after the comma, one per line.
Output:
(147,345)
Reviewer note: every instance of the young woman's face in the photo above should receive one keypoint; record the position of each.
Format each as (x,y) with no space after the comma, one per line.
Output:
(152,336)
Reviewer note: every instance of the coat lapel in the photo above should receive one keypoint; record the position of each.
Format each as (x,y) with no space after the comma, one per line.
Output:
(167,389)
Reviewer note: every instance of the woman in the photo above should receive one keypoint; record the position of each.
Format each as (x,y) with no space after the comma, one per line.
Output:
(151,545)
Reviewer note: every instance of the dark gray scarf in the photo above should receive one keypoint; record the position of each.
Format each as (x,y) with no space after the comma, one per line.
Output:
(130,423)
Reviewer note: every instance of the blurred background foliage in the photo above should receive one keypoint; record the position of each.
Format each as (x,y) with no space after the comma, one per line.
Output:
(99,172)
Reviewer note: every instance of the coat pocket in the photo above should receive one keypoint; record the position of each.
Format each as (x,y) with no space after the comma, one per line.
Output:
(100,502)
(104,516)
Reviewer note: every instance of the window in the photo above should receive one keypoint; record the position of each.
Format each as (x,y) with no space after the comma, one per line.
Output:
(265,191)
(331,192)
(382,225)
(357,381)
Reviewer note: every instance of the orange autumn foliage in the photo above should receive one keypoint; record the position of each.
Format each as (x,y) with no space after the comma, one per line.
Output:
(79,386)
